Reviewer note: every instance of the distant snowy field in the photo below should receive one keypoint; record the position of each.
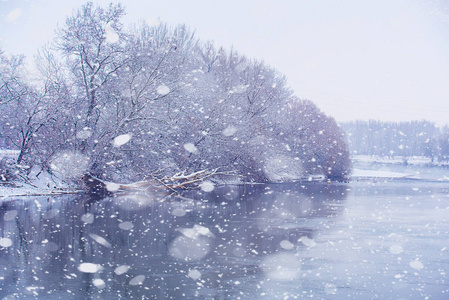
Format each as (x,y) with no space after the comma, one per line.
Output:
(410,160)
(417,167)
(358,173)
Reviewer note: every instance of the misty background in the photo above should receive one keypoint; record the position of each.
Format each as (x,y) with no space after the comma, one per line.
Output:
(384,60)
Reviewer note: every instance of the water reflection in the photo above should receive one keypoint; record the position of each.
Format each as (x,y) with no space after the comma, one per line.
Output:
(328,241)
(217,245)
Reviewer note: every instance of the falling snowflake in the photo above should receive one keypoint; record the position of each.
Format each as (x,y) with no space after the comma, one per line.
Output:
(287,245)
(112,36)
(87,218)
(121,140)
(179,212)
(83,134)
(196,231)
(89,268)
(207,186)
(191,148)
(100,240)
(193,244)
(120,270)
(417,265)
(126,225)
(10,215)
(307,242)
(163,90)
(5,242)
(138,280)
(229,131)
(99,283)
(194,274)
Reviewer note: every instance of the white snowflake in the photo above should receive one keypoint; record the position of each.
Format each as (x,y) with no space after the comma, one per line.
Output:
(163,90)
(191,148)
(120,270)
(122,139)
(99,283)
(89,268)
(207,186)
(112,36)
(229,131)
(126,225)
(194,274)
(5,242)
(138,280)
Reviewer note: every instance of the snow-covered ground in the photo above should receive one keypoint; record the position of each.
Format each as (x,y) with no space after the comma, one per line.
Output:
(366,167)
(29,190)
(44,184)
(47,184)
(397,160)
(366,174)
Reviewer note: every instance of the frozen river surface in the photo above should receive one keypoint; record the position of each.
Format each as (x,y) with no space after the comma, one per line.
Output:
(361,240)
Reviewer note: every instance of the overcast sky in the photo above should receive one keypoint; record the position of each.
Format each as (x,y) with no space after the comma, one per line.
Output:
(356,59)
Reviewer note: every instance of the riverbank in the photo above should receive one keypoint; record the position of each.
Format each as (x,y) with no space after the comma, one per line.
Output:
(27,190)
(38,185)
(365,169)
(399,160)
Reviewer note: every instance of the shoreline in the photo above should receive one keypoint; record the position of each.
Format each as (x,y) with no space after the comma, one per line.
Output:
(399,160)
(358,175)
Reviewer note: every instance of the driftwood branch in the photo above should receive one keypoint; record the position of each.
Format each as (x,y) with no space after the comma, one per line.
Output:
(178,182)
(189,181)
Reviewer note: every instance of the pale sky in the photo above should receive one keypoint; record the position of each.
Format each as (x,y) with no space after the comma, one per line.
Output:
(356,59)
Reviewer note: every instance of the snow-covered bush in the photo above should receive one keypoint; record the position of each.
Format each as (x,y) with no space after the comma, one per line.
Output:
(8,171)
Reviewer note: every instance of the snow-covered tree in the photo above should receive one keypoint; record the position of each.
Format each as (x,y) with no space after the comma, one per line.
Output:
(132,101)
(92,40)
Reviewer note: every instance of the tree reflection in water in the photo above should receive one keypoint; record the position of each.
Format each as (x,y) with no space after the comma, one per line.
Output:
(236,241)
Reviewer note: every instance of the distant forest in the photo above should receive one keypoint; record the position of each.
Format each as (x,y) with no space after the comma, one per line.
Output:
(124,103)
(415,138)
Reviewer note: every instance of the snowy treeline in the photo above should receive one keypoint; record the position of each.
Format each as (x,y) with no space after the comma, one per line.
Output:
(122,103)
(415,138)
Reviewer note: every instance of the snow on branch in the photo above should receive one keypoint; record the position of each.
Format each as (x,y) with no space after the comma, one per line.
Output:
(177,182)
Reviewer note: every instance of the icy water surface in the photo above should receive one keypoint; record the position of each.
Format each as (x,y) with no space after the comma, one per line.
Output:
(280,241)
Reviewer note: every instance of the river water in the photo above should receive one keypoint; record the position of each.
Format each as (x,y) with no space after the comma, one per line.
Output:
(360,240)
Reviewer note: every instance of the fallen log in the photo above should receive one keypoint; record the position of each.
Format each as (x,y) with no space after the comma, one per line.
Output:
(97,186)
(176,183)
